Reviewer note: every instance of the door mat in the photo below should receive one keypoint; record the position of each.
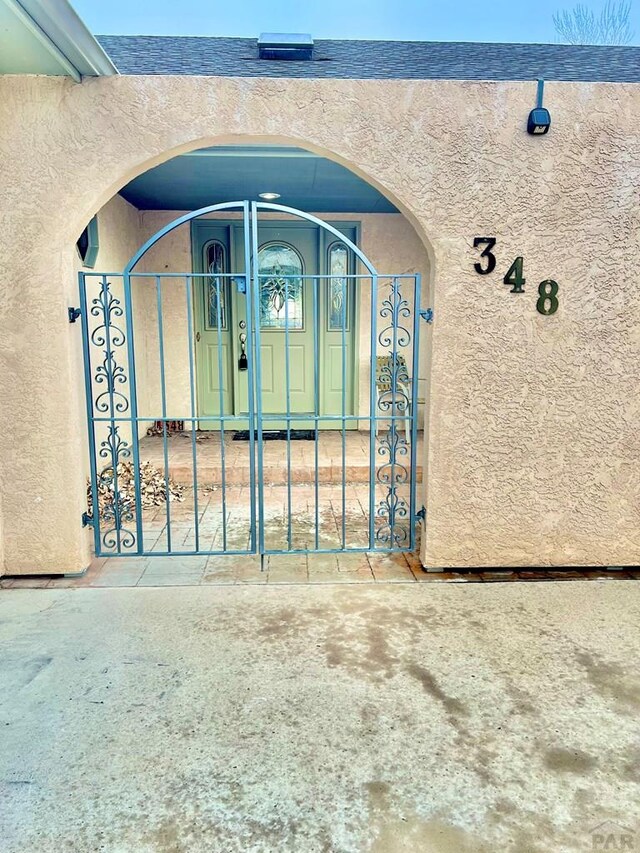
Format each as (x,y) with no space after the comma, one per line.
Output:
(277,435)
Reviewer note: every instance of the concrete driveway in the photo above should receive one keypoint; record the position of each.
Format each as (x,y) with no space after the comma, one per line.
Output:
(452,718)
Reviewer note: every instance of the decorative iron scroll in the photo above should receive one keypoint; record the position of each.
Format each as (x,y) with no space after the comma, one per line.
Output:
(394,400)
(109,335)
(395,309)
(116,508)
(393,445)
(111,400)
(393,508)
(393,532)
(393,381)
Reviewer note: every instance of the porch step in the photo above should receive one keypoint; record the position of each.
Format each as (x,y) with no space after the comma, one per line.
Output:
(209,452)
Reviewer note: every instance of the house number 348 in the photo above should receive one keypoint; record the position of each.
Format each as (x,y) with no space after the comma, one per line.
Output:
(547,302)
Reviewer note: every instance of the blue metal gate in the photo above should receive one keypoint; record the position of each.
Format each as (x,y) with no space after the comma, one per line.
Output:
(134,322)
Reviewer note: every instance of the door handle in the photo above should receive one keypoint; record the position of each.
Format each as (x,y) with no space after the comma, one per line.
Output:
(243,364)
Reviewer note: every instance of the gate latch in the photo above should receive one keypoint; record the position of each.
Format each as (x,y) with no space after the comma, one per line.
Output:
(74,313)
(241,283)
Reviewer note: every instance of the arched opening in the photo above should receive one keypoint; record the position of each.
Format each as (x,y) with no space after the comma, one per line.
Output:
(238,141)
(250,324)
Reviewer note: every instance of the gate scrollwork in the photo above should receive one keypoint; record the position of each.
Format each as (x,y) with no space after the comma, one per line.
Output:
(393,529)
(116,508)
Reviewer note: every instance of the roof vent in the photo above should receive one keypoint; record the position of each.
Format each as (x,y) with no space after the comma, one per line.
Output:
(287,46)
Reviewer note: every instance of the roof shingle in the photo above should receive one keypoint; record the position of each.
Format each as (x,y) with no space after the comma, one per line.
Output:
(238,57)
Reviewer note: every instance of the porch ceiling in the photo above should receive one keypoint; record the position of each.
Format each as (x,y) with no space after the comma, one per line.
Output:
(231,173)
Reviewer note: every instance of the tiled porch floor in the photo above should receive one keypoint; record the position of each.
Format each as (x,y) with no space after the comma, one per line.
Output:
(289,569)
(224,519)
(236,456)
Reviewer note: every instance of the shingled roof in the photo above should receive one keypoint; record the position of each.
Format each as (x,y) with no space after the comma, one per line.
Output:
(408,60)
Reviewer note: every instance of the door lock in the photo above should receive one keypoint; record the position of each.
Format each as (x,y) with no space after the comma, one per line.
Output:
(243,364)
(197,337)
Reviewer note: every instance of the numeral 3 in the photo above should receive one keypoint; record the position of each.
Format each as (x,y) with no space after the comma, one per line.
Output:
(486,253)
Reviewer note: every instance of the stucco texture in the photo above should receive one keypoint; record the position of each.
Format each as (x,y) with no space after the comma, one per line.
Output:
(533,445)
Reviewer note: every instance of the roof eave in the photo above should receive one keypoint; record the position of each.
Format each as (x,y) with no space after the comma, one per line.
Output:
(62,32)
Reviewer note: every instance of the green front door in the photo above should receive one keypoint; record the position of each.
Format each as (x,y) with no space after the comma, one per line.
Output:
(300,313)
(287,320)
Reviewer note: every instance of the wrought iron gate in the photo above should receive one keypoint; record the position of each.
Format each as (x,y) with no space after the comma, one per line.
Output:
(139,350)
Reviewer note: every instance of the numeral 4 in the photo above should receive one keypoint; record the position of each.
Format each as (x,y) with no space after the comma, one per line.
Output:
(515,277)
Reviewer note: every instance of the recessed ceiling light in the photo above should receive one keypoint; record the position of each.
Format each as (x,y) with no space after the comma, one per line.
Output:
(269,196)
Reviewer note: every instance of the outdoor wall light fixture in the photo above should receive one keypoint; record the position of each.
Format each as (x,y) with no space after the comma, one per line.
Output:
(539,118)
(269,196)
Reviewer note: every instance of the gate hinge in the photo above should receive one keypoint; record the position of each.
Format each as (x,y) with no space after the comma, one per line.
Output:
(87,520)
(421,515)
(427,315)
(74,313)
(241,283)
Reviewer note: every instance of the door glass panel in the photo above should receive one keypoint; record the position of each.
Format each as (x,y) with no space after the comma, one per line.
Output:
(280,297)
(338,288)
(216,262)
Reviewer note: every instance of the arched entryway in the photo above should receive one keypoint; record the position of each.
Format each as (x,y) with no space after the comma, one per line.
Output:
(261,355)
(42,522)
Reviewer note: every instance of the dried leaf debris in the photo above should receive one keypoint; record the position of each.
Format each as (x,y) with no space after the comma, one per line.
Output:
(153,487)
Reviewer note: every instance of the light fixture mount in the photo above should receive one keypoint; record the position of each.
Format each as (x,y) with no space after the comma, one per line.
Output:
(539,120)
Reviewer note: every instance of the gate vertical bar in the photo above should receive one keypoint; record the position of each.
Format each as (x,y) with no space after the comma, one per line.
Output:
(372,410)
(252,352)
(316,404)
(254,272)
(415,369)
(163,397)
(192,401)
(344,413)
(86,357)
(223,478)
(133,407)
(287,370)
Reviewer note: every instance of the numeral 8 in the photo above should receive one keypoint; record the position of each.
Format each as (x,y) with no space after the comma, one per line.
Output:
(548,291)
